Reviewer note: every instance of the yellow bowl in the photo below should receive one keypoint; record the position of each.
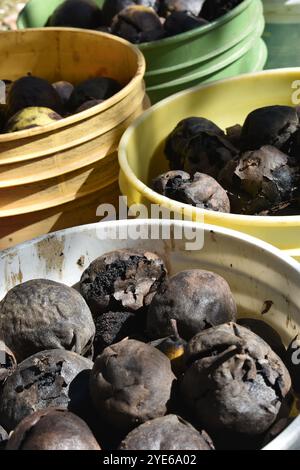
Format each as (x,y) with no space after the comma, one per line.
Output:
(226,102)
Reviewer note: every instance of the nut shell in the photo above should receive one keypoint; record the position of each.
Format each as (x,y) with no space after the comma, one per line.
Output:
(41,314)
(111,8)
(198,145)
(52,429)
(264,178)
(271,125)
(137,24)
(167,433)
(56,378)
(32,91)
(131,382)
(235,382)
(196,299)
(201,190)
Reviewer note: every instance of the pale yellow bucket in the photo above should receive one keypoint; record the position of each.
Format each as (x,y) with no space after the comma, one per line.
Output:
(226,103)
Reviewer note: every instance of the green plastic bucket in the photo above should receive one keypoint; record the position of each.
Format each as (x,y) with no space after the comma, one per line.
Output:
(282,33)
(214,65)
(252,61)
(181,51)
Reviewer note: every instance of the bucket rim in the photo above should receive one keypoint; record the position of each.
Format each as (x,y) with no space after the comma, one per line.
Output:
(237,53)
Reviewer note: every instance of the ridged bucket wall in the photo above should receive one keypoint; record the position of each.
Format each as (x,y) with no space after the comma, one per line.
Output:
(49,167)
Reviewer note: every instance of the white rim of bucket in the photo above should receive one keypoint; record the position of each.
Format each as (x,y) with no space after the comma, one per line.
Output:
(288,437)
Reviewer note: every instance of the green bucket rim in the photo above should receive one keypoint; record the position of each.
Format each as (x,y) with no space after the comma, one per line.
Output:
(236,55)
(205,58)
(158,94)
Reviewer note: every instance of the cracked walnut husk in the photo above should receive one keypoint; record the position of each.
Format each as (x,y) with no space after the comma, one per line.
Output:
(56,378)
(122,280)
(234,382)
(198,145)
(200,190)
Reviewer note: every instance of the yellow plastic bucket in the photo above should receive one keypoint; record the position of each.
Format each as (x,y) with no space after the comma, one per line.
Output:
(226,103)
(48,172)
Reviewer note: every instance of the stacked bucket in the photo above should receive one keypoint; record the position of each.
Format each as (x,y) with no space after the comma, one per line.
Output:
(226,47)
(56,176)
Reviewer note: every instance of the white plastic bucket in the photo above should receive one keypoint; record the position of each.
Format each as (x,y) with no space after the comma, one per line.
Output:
(282,33)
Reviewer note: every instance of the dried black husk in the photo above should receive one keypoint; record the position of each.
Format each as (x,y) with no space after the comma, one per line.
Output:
(42,314)
(138,24)
(112,327)
(267,333)
(213,9)
(31,91)
(181,21)
(76,14)
(234,135)
(99,88)
(235,382)
(270,125)
(192,7)
(196,299)
(262,179)
(111,8)
(170,432)
(56,378)
(52,429)
(198,145)
(123,280)
(131,383)
(200,190)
